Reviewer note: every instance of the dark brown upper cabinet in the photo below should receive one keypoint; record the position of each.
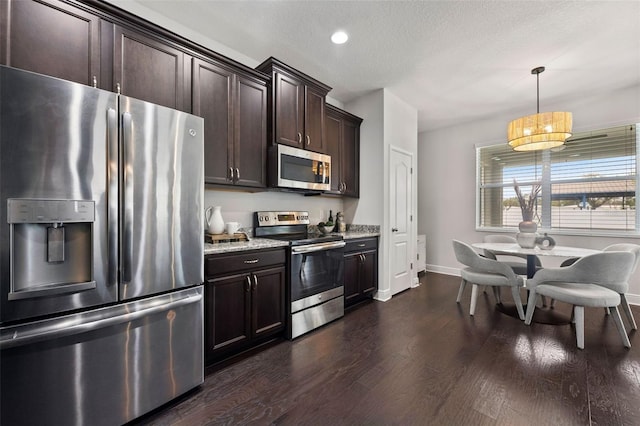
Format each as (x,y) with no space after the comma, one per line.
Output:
(297,105)
(51,38)
(234,107)
(343,145)
(150,69)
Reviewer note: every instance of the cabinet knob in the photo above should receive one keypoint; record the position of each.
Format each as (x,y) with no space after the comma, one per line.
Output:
(248,286)
(94,81)
(308,140)
(237,174)
(230,177)
(394,229)
(118,88)
(299,138)
(251,262)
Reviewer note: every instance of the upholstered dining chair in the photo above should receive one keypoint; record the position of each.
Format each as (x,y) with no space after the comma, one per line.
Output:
(621,288)
(517,262)
(488,272)
(585,283)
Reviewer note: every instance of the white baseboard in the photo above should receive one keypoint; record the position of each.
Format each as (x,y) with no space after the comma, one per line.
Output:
(382,295)
(444,270)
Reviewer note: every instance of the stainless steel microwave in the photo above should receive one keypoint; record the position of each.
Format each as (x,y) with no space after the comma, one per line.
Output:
(300,169)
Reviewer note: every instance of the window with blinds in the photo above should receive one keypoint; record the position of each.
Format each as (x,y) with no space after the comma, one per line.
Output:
(588,185)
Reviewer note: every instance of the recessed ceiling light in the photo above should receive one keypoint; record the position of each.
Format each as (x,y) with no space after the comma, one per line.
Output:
(339,37)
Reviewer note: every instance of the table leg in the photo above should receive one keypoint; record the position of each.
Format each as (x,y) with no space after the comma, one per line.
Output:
(531,265)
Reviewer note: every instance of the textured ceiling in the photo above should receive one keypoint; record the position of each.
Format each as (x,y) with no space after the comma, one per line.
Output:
(454,61)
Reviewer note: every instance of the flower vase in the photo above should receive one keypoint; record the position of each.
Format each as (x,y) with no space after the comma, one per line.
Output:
(527,236)
(215,223)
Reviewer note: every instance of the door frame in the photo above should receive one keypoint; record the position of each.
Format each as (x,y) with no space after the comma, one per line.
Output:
(411,229)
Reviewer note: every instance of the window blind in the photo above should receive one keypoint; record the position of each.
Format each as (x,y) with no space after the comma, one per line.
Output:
(588,184)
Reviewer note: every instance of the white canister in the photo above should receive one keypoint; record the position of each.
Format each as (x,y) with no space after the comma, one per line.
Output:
(215,223)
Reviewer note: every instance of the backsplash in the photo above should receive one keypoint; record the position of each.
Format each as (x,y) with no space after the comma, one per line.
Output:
(240,206)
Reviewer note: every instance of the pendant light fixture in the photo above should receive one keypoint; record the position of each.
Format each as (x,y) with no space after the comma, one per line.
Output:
(541,130)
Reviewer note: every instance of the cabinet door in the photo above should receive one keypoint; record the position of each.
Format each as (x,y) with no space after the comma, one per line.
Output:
(351,277)
(369,272)
(350,167)
(228,312)
(212,94)
(268,301)
(314,139)
(333,134)
(289,110)
(148,69)
(51,38)
(250,150)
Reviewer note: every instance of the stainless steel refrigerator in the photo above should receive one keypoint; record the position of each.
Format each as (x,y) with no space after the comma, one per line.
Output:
(101,243)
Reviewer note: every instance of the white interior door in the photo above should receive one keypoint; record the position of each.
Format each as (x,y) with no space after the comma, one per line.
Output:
(401,195)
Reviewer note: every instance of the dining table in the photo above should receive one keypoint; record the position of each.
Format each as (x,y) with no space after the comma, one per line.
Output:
(531,253)
(544,315)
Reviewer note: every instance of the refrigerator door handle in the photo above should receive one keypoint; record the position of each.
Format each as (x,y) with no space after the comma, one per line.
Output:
(127,205)
(112,194)
(62,328)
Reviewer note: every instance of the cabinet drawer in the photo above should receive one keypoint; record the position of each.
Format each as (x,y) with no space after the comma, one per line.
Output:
(361,245)
(225,263)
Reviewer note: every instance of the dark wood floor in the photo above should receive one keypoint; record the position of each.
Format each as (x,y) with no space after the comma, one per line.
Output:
(421,359)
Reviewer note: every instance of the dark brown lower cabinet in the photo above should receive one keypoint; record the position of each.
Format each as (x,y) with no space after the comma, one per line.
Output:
(244,301)
(360,270)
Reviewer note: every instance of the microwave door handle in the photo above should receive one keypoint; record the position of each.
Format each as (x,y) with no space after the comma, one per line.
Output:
(127,226)
(324,172)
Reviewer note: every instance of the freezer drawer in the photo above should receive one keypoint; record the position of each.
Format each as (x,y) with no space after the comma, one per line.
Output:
(102,367)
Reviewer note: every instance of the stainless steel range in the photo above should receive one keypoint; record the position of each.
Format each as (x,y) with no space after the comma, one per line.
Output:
(316,273)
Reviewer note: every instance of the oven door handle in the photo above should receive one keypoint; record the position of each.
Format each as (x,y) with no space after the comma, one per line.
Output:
(318,247)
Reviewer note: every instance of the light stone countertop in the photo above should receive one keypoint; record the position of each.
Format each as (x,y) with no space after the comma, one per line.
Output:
(253,244)
(266,243)
(350,235)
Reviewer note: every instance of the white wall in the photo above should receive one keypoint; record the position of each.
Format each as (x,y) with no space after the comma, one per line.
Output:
(400,131)
(447,180)
(387,121)
(369,208)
